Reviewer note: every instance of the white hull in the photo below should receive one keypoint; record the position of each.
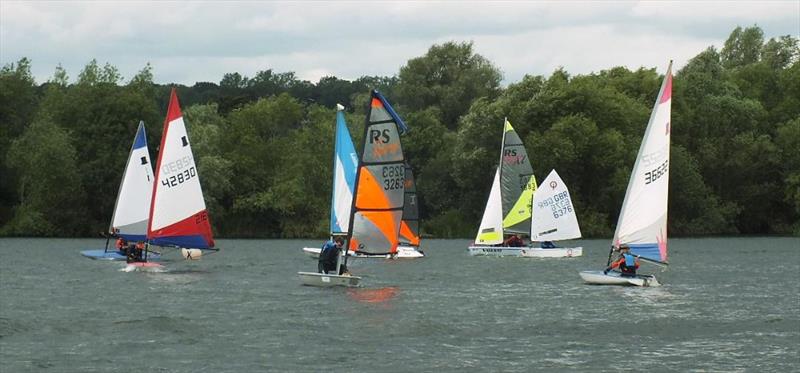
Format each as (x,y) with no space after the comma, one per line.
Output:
(327,280)
(559,252)
(496,251)
(615,278)
(403,252)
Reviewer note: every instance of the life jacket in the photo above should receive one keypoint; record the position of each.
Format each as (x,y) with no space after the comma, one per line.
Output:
(629,266)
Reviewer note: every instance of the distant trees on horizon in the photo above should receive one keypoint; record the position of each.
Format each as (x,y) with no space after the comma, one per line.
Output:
(263,144)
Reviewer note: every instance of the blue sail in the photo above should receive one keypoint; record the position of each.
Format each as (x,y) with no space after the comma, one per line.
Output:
(345,163)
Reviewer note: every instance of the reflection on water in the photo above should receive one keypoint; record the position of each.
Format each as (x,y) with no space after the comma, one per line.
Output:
(379,295)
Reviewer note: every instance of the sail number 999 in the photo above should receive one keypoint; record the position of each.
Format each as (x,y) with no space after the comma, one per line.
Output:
(178,179)
(656,173)
(393,177)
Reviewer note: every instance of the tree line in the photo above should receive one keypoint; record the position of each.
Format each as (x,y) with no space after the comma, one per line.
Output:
(264,144)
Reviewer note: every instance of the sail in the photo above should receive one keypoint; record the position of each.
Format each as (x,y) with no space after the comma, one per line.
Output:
(132,209)
(642,223)
(345,163)
(517,183)
(178,215)
(409,225)
(380,178)
(491,229)
(553,216)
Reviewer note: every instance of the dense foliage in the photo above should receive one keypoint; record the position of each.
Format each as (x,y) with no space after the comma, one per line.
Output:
(264,144)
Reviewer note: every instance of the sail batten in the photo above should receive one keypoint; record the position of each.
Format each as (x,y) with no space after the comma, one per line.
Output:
(178,215)
(642,223)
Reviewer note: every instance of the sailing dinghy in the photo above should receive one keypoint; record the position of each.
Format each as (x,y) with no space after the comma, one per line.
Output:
(553,218)
(508,209)
(378,197)
(132,208)
(642,223)
(178,215)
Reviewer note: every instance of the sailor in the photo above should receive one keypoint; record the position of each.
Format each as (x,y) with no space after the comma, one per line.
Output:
(329,255)
(121,244)
(139,251)
(627,262)
(513,241)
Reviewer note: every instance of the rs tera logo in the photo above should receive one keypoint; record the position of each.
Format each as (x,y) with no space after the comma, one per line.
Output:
(379,136)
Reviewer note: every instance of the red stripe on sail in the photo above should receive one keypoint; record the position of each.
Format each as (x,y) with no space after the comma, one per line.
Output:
(195,225)
(174,109)
(667,94)
(376,103)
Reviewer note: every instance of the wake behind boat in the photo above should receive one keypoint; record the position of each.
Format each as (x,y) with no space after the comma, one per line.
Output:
(642,225)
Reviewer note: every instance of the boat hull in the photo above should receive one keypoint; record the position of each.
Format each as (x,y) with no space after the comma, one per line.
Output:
(495,251)
(616,278)
(143,267)
(559,252)
(101,254)
(328,280)
(403,252)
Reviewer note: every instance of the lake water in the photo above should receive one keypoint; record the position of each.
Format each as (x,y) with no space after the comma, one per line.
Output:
(727,304)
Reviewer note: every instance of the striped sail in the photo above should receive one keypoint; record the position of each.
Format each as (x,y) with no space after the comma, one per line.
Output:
(642,223)
(517,183)
(553,213)
(491,229)
(409,225)
(178,215)
(379,193)
(132,208)
(345,163)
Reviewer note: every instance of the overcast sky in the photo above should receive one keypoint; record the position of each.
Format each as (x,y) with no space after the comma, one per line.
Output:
(188,42)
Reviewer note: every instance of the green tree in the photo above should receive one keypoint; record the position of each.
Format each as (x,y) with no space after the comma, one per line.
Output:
(51,195)
(450,76)
(743,47)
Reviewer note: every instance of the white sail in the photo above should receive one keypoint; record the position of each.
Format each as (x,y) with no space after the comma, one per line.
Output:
(491,230)
(642,223)
(132,208)
(553,213)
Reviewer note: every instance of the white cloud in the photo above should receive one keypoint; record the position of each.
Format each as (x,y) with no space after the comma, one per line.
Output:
(200,41)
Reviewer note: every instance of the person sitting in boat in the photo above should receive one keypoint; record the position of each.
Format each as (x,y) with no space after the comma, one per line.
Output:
(121,244)
(513,241)
(330,254)
(627,262)
(548,245)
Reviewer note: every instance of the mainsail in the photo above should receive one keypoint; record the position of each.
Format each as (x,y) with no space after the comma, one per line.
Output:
(345,163)
(642,223)
(517,183)
(379,194)
(409,226)
(178,215)
(553,213)
(491,229)
(132,208)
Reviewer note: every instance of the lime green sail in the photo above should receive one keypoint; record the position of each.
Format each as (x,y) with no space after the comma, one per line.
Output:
(517,183)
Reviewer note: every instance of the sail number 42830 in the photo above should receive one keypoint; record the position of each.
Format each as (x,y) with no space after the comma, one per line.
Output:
(656,173)
(178,179)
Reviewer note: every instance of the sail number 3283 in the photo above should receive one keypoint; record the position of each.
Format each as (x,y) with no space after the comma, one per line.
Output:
(178,179)
(656,173)
(393,177)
